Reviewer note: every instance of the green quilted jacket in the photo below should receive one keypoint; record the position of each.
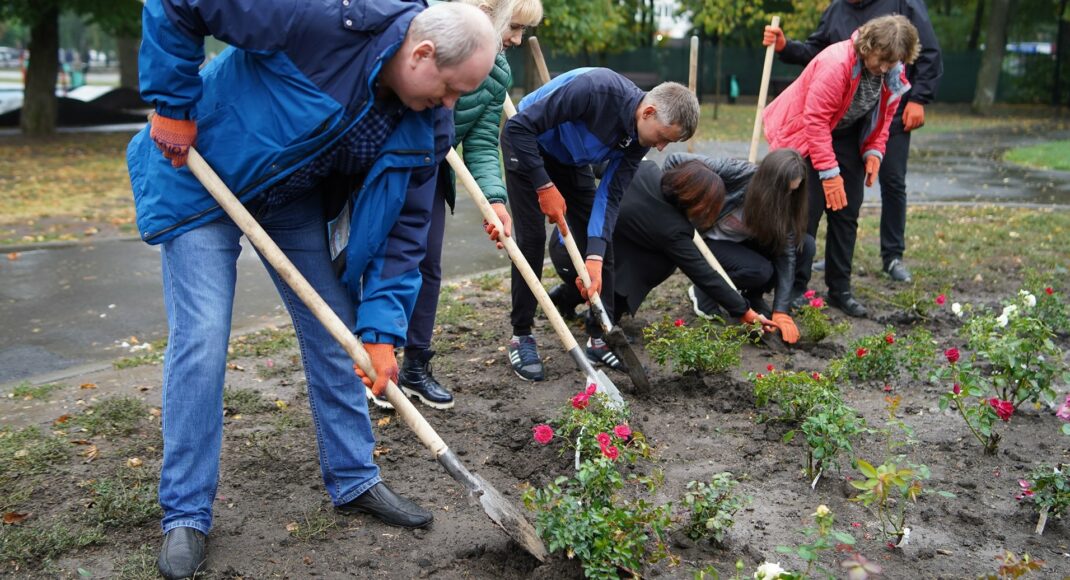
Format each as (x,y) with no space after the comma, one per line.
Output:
(476,119)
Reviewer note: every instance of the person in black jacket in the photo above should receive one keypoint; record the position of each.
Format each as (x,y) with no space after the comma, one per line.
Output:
(838,22)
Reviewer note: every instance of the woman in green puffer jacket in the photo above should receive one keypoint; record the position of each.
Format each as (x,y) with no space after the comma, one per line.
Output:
(477,117)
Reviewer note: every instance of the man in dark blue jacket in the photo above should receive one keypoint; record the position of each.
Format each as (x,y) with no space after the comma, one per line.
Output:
(308,89)
(582,117)
(838,22)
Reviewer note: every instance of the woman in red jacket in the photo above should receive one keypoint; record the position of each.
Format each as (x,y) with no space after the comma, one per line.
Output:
(837,115)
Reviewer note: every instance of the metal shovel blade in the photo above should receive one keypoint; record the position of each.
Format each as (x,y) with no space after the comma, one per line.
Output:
(619,344)
(499,509)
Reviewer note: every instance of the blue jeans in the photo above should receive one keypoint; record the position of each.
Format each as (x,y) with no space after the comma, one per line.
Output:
(199,273)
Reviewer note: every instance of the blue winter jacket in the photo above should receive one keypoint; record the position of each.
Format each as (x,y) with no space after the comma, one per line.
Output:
(584,116)
(300,73)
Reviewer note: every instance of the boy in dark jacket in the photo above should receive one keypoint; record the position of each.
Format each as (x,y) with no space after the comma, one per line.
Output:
(584,116)
(838,22)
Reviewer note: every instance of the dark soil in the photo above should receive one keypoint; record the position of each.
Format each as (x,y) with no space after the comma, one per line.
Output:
(698,425)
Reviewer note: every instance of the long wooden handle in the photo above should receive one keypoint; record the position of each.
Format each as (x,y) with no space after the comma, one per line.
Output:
(763,94)
(521,263)
(711,259)
(580,265)
(289,273)
(540,61)
(692,81)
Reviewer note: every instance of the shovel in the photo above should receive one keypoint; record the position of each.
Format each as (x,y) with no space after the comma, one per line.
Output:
(614,335)
(494,504)
(595,377)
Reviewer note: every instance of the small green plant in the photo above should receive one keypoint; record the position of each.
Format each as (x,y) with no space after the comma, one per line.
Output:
(896,432)
(452,310)
(114,416)
(315,526)
(823,538)
(489,282)
(37,546)
(829,430)
(712,507)
(1052,308)
(917,352)
(238,401)
(874,357)
(889,489)
(28,451)
(1048,489)
(28,390)
(263,343)
(124,501)
(1013,566)
(814,325)
(704,347)
(980,414)
(138,565)
(796,394)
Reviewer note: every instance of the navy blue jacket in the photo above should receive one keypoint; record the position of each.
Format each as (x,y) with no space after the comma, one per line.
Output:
(842,18)
(300,74)
(584,116)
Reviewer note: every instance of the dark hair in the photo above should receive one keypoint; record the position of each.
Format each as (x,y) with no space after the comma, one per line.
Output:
(695,188)
(768,216)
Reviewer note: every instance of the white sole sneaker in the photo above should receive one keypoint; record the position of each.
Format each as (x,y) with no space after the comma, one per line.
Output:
(694,304)
(378,402)
(410,393)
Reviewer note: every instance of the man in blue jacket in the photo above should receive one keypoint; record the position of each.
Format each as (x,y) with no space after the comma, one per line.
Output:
(838,22)
(582,117)
(308,89)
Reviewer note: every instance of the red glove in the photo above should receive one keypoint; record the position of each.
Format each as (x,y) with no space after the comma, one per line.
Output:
(913,116)
(552,204)
(384,363)
(507,224)
(835,195)
(788,331)
(873,168)
(594,270)
(774,36)
(174,137)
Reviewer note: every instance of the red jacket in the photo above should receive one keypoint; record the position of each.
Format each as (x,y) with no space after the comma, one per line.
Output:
(804,115)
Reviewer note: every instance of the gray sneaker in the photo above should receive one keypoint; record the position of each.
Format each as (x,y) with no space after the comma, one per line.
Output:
(524,358)
(897,271)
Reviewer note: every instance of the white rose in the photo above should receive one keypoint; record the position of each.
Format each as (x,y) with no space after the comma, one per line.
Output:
(1030,300)
(957,309)
(768,571)
(1002,319)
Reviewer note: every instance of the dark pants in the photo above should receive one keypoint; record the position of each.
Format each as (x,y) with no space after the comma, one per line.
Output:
(577,185)
(753,270)
(893,180)
(563,264)
(843,224)
(422,321)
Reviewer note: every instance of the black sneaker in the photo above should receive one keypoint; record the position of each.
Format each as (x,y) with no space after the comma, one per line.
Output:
(524,358)
(416,380)
(847,304)
(897,271)
(601,353)
(557,296)
(707,311)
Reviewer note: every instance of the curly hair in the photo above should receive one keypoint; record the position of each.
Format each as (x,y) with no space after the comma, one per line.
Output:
(891,37)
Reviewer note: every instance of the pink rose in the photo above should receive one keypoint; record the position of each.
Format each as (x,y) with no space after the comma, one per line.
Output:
(809,294)
(611,452)
(887,388)
(816,376)
(591,389)
(623,431)
(581,400)
(543,433)
(679,322)
(952,355)
(603,439)
(1004,409)
(1064,410)
(956,389)
(941,299)
(817,303)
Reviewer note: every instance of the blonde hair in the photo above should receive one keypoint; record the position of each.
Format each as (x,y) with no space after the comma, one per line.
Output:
(891,37)
(527,12)
(500,12)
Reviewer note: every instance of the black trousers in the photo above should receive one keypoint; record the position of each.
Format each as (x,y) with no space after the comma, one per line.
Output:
(893,180)
(753,271)
(577,186)
(842,227)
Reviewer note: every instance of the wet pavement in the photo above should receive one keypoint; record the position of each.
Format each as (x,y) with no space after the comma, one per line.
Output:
(65,308)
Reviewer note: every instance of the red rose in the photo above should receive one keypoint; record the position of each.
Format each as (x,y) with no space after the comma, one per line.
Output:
(543,433)
(889,338)
(861,352)
(941,299)
(679,322)
(603,439)
(622,431)
(761,376)
(581,400)
(770,368)
(887,388)
(591,389)
(956,389)
(611,452)
(1049,291)
(809,294)
(1004,409)
(952,355)
(816,376)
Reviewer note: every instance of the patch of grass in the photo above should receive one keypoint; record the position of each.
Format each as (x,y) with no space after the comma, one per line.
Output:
(27,390)
(489,282)
(946,118)
(291,420)
(28,451)
(263,343)
(1051,155)
(734,122)
(244,402)
(153,355)
(123,501)
(314,526)
(451,310)
(272,368)
(114,416)
(35,547)
(139,565)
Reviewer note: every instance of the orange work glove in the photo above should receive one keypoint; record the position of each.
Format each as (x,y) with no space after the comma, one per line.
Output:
(774,36)
(174,137)
(835,195)
(552,204)
(913,116)
(594,270)
(385,364)
(507,224)
(788,331)
(873,169)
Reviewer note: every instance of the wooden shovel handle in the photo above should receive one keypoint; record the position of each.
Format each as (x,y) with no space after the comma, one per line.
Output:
(289,273)
(540,61)
(711,259)
(763,94)
(581,270)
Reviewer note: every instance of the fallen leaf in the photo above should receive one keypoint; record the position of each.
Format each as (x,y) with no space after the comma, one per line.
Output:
(13,256)
(155,412)
(281,404)
(90,453)
(307,560)
(292,527)
(133,462)
(91,231)
(380,451)
(235,367)
(61,419)
(383,422)
(88,386)
(14,517)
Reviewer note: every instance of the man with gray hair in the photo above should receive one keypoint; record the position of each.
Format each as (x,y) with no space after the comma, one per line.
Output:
(582,117)
(307,91)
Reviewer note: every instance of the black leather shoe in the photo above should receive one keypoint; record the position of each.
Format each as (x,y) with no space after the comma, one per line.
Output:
(415,380)
(557,296)
(848,305)
(389,507)
(182,555)
(897,271)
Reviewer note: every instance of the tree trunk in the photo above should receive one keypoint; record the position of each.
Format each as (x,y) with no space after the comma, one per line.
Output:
(975,30)
(1060,36)
(717,76)
(992,59)
(39,99)
(127,47)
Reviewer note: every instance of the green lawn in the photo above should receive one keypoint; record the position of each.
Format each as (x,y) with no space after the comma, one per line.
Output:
(1050,155)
